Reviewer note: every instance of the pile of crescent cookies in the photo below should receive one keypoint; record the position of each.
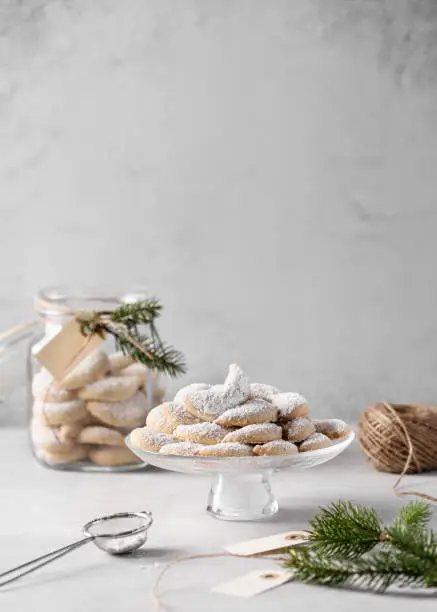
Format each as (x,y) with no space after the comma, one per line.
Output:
(86,416)
(235,419)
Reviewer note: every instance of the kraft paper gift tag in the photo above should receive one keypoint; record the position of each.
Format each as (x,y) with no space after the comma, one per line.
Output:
(268,544)
(254,583)
(60,354)
(259,581)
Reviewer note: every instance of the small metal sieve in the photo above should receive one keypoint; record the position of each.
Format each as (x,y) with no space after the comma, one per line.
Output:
(116,534)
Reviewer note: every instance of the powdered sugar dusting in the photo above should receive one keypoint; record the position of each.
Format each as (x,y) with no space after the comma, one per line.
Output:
(314,442)
(179,415)
(187,449)
(183,393)
(255,434)
(261,391)
(203,433)
(276,447)
(158,420)
(237,385)
(299,429)
(226,449)
(253,411)
(333,428)
(207,404)
(149,440)
(288,404)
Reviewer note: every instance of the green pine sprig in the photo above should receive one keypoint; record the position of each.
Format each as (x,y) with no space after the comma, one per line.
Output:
(376,572)
(349,546)
(346,530)
(134,331)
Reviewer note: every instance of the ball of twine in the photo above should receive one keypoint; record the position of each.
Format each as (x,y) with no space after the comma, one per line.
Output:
(399,438)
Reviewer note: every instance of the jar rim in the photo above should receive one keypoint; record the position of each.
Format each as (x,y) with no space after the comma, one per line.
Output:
(61,301)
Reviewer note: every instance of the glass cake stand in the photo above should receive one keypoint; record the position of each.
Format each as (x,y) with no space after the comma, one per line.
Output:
(240,489)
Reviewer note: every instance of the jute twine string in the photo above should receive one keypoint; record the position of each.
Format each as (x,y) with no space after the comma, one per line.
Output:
(155,591)
(400,439)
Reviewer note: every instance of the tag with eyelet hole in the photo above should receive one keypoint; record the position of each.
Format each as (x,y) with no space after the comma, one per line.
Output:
(268,544)
(61,353)
(254,583)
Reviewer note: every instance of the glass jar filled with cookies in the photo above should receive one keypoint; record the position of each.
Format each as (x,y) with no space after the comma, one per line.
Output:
(80,422)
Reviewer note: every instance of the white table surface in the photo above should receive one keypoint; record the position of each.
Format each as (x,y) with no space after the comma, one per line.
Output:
(41,509)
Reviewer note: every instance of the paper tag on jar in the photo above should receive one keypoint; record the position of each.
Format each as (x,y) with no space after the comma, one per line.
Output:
(268,544)
(65,350)
(254,583)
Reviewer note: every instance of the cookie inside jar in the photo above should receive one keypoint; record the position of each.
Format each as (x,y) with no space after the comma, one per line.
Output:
(85,418)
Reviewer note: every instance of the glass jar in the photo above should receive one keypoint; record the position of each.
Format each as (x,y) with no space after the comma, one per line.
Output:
(69,431)
(14,347)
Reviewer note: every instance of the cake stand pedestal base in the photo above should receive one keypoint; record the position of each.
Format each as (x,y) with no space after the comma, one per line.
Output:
(241,497)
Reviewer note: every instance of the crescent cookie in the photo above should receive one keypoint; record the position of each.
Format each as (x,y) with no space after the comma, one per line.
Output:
(183,393)
(333,428)
(179,415)
(111,389)
(46,437)
(315,442)
(95,434)
(137,370)
(118,361)
(60,414)
(276,447)
(149,440)
(226,449)
(185,449)
(90,369)
(75,453)
(127,413)
(112,456)
(237,386)
(250,413)
(207,404)
(202,433)
(159,421)
(298,429)
(69,433)
(255,434)
(261,391)
(45,388)
(290,406)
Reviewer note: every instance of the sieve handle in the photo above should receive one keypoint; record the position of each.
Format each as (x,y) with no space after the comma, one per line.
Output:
(38,562)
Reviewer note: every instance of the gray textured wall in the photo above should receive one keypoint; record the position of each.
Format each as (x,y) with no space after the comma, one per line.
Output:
(268,167)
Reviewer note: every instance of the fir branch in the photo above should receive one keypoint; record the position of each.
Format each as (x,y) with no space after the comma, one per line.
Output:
(349,546)
(155,356)
(415,514)
(376,572)
(346,530)
(134,330)
(410,533)
(137,313)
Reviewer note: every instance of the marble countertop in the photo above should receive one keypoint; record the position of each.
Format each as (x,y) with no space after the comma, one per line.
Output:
(42,509)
